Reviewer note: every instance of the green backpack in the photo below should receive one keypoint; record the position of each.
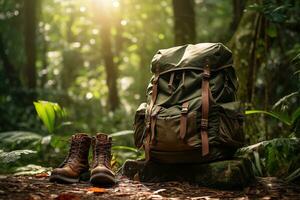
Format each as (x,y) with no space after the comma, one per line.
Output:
(191,114)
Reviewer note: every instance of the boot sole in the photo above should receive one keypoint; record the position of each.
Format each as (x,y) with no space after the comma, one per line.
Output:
(102,179)
(61,179)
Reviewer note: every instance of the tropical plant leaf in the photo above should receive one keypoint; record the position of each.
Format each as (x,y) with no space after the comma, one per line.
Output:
(295,60)
(31,170)
(125,148)
(281,117)
(295,115)
(51,114)
(13,140)
(46,112)
(273,157)
(121,133)
(294,175)
(297,72)
(258,163)
(12,156)
(284,99)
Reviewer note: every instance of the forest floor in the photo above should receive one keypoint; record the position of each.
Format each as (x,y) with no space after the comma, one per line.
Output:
(38,187)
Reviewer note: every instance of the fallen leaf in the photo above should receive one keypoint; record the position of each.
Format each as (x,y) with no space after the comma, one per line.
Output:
(34,197)
(96,190)
(178,189)
(67,196)
(158,191)
(136,177)
(42,175)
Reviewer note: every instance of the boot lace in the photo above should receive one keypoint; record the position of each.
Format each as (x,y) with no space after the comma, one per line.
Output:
(102,154)
(74,152)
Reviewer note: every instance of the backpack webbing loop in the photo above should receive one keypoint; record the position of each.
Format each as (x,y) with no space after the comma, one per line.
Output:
(205,109)
(183,119)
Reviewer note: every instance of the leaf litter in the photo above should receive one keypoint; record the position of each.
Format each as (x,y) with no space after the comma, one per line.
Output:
(36,187)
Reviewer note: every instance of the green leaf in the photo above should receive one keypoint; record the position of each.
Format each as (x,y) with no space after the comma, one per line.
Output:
(121,133)
(294,175)
(12,156)
(280,117)
(19,140)
(295,115)
(297,72)
(258,163)
(284,99)
(125,148)
(31,170)
(46,112)
(51,114)
(271,31)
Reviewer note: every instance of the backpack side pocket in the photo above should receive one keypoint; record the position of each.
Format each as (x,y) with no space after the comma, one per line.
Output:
(140,125)
(231,129)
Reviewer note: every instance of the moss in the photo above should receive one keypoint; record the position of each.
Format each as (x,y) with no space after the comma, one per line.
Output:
(228,174)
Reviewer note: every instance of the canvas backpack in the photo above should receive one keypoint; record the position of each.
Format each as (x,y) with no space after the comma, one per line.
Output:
(191,113)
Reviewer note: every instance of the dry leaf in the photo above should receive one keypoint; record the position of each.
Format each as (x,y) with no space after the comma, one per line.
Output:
(136,177)
(42,175)
(67,196)
(158,191)
(96,190)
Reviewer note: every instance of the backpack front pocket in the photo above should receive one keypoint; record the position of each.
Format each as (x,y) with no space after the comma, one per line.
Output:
(167,132)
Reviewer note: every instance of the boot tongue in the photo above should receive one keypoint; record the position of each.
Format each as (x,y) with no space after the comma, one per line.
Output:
(102,137)
(79,136)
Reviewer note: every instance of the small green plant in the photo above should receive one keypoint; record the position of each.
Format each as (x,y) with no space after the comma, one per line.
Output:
(292,120)
(123,148)
(276,157)
(51,114)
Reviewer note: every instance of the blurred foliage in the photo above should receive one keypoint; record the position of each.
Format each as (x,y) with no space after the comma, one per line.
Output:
(71,72)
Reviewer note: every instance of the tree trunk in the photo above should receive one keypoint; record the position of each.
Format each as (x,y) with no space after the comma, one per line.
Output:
(238,7)
(9,68)
(72,58)
(30,47)
(107,53)
(184,18)
(241,44)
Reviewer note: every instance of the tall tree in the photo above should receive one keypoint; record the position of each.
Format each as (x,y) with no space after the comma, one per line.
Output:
(238,7)
(107,52)
(30,44)
(72,58)
(9,68)
(184,18)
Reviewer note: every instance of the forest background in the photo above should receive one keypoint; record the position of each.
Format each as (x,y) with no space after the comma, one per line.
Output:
(92,59)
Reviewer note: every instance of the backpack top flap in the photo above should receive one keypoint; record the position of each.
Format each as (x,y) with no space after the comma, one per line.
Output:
(191,56)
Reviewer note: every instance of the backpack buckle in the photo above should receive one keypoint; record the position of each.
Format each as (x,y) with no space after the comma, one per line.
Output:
(155,80)
(204,124)
(184,110)
(206,74)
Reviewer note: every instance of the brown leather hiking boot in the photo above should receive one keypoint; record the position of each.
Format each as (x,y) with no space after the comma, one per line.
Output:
(101,173)
(76,163)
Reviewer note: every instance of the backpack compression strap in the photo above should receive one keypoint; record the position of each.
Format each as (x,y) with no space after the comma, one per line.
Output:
(205,109)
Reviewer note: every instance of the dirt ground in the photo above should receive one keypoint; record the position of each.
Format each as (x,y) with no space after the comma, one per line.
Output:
(38,187)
